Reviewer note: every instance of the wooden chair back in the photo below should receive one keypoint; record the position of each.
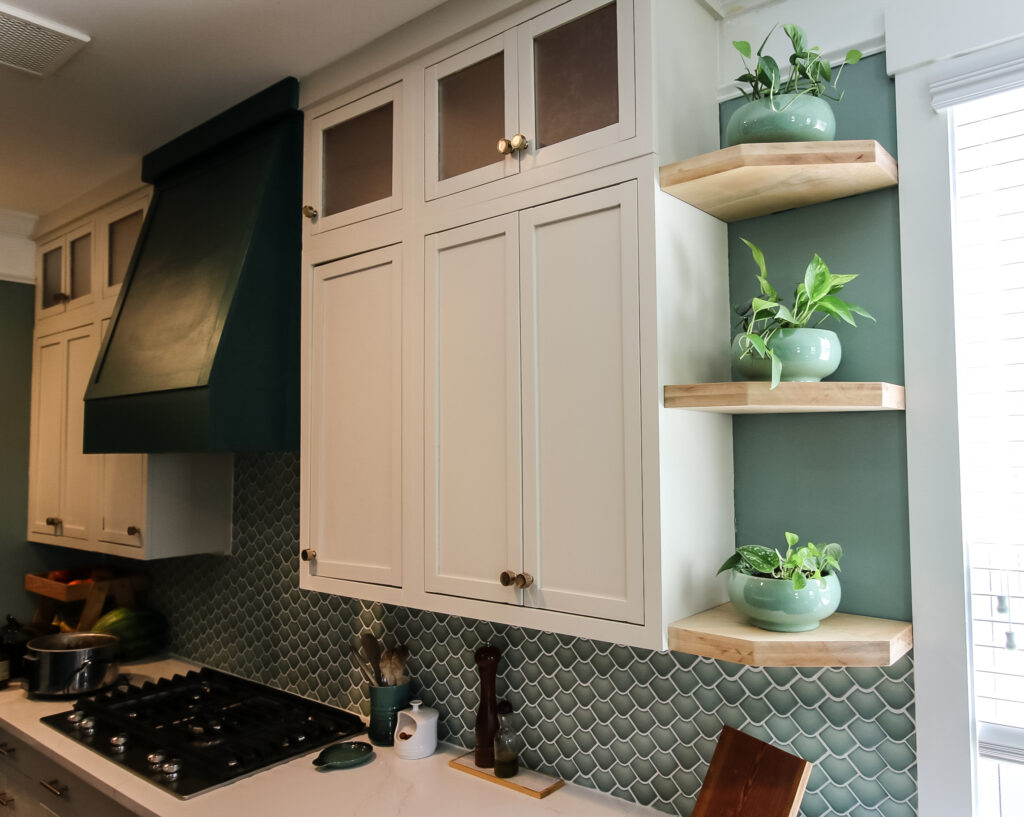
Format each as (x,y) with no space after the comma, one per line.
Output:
(751,778)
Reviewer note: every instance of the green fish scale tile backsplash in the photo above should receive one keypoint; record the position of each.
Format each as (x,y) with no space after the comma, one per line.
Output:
(637,724)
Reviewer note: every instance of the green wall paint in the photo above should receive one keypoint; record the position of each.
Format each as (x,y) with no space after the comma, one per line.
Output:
(836,477)
(16,555)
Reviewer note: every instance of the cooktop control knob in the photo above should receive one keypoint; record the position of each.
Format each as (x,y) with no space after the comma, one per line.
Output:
(119,742)
(87,725)
(75,718)
(172,768)
(156,758)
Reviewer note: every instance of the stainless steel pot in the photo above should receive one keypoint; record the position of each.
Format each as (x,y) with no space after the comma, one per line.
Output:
(64,665)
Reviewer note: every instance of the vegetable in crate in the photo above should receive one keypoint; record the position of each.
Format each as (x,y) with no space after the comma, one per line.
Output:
(142,632)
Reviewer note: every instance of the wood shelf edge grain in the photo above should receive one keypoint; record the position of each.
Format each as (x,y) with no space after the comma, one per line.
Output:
(842,640)
(744,181)
(754,397)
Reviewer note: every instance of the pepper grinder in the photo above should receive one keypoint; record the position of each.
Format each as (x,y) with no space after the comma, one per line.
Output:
(487,658)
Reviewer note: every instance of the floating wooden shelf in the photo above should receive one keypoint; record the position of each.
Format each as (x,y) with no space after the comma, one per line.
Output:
(757,397)
(841,640)
(745,181)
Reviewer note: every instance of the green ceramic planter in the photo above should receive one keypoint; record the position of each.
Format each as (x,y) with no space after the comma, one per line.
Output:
(773,604)
(807,355)
(785,118)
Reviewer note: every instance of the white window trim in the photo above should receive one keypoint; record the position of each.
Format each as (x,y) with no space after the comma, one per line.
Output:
(947,740)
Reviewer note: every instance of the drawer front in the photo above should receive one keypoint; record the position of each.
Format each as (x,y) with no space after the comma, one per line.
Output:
(41,780)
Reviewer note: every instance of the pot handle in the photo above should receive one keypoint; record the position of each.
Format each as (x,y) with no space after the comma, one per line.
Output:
(85,665)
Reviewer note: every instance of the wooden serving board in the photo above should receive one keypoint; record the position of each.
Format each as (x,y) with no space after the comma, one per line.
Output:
(526,781)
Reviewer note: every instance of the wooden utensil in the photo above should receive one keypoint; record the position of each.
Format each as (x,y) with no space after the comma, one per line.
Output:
(371,649)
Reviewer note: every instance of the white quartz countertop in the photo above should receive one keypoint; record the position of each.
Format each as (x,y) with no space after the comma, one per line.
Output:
(386,786)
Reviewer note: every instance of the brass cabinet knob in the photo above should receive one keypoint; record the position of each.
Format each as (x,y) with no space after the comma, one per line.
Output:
(133,531)
(309,211)
(520,580)
(308,554)
(61,297)
(514,145)
(54,521)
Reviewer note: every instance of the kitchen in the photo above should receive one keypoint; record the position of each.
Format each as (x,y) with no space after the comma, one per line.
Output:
(246,613)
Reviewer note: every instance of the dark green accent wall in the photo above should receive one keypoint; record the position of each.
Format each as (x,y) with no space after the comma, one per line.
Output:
(836,477)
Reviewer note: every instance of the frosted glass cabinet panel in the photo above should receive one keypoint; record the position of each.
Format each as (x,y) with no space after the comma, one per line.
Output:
(563,83)
(356,152)
(576,77)
(122,235)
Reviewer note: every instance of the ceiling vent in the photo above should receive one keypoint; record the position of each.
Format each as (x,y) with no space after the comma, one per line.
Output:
(35,45)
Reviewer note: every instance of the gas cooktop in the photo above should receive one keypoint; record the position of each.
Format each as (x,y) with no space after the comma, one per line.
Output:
(194,732)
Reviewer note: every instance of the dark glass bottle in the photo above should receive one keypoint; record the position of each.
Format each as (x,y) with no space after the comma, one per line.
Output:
(506,744)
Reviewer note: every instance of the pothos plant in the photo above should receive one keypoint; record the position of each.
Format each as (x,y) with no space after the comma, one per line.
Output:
(762,317)
(809,72)
(798,565)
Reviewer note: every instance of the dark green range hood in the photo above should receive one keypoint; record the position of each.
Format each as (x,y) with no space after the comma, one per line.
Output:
(202,353)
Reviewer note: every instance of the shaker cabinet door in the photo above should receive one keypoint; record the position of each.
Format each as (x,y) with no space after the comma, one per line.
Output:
(583,528)
(473,528)
(61,476)
(355,419)
(48,372)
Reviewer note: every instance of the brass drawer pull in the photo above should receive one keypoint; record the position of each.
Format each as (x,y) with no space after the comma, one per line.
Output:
(308,554)
(54,787)
(54,521)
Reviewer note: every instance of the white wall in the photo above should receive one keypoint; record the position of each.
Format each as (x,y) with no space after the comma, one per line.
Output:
(17,252)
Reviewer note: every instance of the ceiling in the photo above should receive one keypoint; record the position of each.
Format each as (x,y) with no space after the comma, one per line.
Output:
(154,69)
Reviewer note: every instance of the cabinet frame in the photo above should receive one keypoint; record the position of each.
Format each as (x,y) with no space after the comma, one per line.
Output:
(63,243)
(392,93)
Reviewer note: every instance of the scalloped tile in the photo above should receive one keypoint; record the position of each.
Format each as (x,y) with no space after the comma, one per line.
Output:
(577,700)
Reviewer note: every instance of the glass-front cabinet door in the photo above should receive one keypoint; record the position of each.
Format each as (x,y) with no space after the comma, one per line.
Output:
(556,86)
(357,157)
(471,106)
(64,273)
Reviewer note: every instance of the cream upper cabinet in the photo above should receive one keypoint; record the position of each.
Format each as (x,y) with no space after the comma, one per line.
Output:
(514,462)
(354,155)
(352,442)
(558,85)
(532,408)
(141,506)
(61,477)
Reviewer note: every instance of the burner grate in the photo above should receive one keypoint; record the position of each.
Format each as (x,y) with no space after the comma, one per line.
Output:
(193,732)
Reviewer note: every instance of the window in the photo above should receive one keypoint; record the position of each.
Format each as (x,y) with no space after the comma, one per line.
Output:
(988,142)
